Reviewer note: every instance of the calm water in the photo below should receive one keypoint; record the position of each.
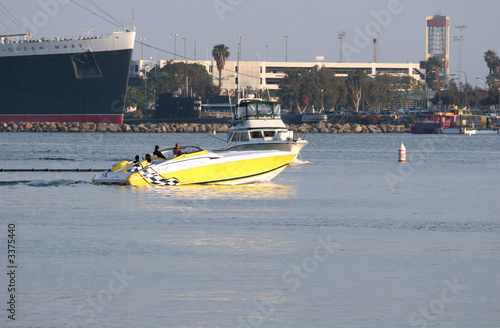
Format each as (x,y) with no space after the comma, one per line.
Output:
(348,237)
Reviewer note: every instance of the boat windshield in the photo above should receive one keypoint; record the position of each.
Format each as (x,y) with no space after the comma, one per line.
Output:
(265,109)
(238,136)
(277,109)
(259,109)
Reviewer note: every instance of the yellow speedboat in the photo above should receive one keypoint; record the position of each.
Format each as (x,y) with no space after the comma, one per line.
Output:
(198,166)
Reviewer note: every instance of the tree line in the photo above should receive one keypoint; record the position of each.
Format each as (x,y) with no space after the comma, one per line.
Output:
(448,92)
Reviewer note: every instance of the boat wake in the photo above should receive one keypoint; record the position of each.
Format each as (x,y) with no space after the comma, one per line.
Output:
(297,161)
(43,183)
(56,159)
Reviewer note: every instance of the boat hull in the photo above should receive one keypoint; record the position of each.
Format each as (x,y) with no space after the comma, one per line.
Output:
(226,168)
(292,146)
(435,128)
(78,80)
(425,128)
(314,118)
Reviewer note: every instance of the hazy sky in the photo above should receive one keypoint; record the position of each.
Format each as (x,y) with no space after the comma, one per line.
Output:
(311,27)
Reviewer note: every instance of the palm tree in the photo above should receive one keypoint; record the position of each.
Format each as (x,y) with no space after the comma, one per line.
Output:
(434,67)
(490,57)
(220,53)
(493,62)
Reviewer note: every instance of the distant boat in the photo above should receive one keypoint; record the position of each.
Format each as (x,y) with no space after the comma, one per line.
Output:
(76,79)
(311,116)
(454,121)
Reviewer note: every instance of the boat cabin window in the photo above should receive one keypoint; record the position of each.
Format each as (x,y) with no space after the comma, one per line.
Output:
(257,134)
(238,137)
(269,133)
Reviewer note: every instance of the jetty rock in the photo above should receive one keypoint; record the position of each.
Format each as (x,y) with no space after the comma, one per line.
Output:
(164,127)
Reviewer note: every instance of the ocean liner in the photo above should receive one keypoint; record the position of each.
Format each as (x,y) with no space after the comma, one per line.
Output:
(77,79)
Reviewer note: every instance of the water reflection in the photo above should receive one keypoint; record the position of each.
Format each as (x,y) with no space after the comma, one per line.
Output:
(206,192)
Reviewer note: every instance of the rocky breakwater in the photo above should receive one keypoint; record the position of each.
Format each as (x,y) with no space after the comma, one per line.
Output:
(323,127)
(320,127)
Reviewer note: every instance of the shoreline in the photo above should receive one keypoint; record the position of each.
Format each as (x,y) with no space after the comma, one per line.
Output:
(76,127)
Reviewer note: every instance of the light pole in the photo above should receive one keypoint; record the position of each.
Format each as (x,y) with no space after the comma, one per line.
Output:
(239,48)
(480,78)
(286,47)
(185,57)
(175,47)
(195,41)
(465,88)
(142,54)
(341,35)
(267,52)
(322,105)
(142,48)
(459,40)
(156,83)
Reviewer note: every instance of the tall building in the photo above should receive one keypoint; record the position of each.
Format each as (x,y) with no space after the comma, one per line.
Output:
(437,39)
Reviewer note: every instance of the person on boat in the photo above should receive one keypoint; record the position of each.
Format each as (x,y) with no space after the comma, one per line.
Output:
(158,153)
(177,150)
(137,159)
(148,159)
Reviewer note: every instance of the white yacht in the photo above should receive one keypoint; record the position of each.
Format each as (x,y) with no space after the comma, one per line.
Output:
(258,126)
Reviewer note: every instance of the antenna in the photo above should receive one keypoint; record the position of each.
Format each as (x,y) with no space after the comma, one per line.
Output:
(239,68)
(133,19)
(268,94)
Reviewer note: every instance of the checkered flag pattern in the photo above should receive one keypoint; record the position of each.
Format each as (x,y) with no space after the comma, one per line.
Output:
(154,178)
(136,168)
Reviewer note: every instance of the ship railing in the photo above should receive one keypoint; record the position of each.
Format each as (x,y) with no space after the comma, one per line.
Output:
(18,39)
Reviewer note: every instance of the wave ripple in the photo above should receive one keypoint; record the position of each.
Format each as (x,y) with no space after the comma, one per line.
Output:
(43,183)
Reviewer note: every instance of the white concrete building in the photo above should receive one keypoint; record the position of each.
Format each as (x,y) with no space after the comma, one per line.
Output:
(139,67)
(267,75)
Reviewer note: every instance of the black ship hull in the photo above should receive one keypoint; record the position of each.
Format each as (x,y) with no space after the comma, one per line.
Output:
(81,87)
(76,79)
